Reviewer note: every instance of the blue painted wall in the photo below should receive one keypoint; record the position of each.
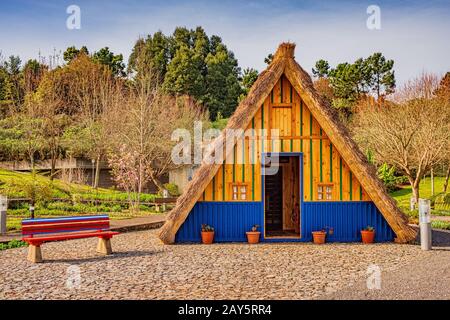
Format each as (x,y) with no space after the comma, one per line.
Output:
(232,219)
(347,218)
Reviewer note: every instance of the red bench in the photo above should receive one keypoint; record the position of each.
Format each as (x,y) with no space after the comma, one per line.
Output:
(37,231)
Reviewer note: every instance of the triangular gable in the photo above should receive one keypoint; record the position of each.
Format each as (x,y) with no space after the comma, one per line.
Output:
(284,62)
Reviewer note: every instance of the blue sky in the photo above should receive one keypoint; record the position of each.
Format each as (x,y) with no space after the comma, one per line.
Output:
(413,33)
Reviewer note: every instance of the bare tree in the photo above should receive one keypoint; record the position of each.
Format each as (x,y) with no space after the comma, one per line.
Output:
(412,134)
(46,105)
(141,123)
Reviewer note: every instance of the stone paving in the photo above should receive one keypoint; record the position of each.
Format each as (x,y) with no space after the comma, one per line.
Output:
(143,268)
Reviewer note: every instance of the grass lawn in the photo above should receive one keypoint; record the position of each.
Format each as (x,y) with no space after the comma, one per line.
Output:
(10,186)
(404,194)
(9,181)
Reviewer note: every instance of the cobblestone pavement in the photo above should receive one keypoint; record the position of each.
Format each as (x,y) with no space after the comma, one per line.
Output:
(143,268)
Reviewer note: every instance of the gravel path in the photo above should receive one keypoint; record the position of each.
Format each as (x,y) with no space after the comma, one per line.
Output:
(425,277)
(143,268)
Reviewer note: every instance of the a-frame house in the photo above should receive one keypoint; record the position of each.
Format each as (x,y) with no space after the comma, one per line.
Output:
(322,181)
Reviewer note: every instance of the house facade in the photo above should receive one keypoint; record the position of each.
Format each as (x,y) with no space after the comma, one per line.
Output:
(309,176)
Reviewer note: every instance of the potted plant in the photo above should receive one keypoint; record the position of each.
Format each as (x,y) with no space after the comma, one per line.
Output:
(368,234)
(207,234)
(319,236)
(253,236)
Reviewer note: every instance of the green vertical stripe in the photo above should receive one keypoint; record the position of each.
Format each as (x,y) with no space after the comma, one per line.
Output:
(234,163)
(214,188)
(301,125)
(351,185)
(243,159)
(281,89)
(331,162)
(290,94)
(321,173)
(310,157)
(262,128)
(340,178)
(281,145)
(360,192)
(253,159)
(223,181)
(293,130)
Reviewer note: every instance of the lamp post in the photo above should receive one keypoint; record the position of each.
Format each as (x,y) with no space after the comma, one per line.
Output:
(93,172)
(3,207)
(425,224)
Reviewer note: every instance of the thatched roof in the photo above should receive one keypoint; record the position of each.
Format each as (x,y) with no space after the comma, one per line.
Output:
(283,62)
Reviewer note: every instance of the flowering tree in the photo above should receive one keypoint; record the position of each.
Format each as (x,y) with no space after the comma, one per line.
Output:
(126,168)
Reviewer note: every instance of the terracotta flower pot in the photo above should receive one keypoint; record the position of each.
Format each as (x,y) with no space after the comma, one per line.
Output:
(253,236)
(319,237)
(367,236)
(207,237)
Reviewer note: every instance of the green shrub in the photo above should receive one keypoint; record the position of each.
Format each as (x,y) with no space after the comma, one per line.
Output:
(441,201)
(387,176)
(172,188)
(440,225)
(12,244)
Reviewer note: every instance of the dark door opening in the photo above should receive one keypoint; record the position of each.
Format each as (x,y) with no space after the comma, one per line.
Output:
(274,201)
(282,197)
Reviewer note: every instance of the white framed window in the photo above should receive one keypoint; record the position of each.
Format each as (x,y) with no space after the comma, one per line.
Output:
(325,191)
(239,191)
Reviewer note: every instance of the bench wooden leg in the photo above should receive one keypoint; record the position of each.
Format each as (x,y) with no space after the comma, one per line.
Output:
(104,246)
(34,253)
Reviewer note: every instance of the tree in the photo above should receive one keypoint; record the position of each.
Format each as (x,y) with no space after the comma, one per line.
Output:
(72,53)
(33,71)
(443,92)
(350,82)
(20,138)
(249,77)
(381,78)
(154,51)
(46,105)
(13,91)
(108,58)
(6,92)
(268,59)
(411,134)
(184,74)
(190,63)
(222,84)
(323,87)
(321,69)
(140,147)
(77,85)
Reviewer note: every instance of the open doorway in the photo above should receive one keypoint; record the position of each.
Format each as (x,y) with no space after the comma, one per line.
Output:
(282,197)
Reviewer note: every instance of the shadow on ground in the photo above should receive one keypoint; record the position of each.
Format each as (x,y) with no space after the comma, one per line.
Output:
(440,238)
(116,255)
